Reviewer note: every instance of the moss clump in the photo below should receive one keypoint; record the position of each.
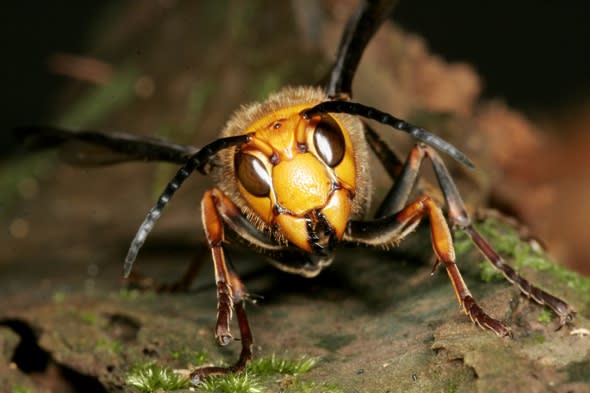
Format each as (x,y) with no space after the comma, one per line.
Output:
(149,378)
(506,241)
(545,316)
(270,372)
(233,383)
(261,375)
(273,365)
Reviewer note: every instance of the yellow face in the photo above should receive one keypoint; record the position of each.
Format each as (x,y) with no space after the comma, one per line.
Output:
(298,175)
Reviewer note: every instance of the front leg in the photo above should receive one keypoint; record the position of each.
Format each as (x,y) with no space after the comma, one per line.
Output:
(391,229)
(231,291)
(405,181)
(459,218)
(220,213)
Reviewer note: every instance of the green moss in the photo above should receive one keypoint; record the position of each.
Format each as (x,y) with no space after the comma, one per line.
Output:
(487,273)
(264,374)
(149,378)
(233,383)
(506,241)
(545,316)
(199,358)
(462,243)
(270,372)
(273,365)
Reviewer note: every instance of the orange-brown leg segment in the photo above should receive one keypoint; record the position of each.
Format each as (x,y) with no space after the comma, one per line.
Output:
(459,217)
(457,213)
(231,292)
(563,310)
(393,228)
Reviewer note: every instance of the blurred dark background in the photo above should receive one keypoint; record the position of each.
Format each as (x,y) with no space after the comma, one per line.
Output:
(178,68)
(30,32)
(533,54)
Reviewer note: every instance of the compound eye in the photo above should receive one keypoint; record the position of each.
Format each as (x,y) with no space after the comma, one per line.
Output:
(252,174)
(329,141)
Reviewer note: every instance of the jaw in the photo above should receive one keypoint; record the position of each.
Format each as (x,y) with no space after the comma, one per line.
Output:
(317,230)
(312,239)
(303,264)
(311,233)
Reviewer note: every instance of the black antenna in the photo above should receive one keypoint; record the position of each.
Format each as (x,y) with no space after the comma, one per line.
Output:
(362,25)
(354,108)
(195,162)
(124,146)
